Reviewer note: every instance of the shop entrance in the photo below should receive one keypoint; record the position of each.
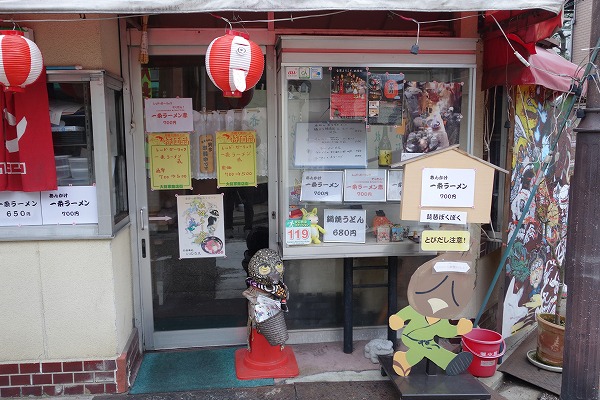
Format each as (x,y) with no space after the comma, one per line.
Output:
(189,302)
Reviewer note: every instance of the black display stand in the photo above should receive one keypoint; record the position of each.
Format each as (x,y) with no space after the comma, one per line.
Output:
(424,382)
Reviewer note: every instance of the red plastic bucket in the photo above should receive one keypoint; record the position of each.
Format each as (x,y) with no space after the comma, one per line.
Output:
(485,347)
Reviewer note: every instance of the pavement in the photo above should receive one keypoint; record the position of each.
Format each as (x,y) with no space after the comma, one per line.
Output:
(327,373)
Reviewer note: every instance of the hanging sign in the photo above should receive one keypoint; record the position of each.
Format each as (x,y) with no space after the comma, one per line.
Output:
(445,240)
(344,225)
(447,187)
(297,232)
(20,208)
(323,186)
(70,205)
(444,217)
(236,158)
(201,226)
(169,161)
(365,185)
(169,115)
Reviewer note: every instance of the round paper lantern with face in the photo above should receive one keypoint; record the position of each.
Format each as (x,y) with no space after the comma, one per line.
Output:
(234,63)
(438,290)
(21,61)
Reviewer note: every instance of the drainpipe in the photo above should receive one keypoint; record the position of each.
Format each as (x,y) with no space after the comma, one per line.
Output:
(581,365)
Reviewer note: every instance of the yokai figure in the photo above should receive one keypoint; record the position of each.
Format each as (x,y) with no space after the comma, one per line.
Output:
(435,293)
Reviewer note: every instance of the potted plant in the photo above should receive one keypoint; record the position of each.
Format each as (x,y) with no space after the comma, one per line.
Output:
(551,326)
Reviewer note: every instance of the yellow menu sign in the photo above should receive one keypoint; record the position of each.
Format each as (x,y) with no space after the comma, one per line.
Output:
(445,240)
(169,161)
(236,158)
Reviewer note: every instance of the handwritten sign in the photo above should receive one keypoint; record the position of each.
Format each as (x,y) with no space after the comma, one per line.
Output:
(394,184)
(70,205)
(323,186)
(297,232)
(344,225)
(339,144)
(169,115)
(236,158)
(444,217)
(365,185)
(448,187)
(169,161)
(20,208)
(445,240)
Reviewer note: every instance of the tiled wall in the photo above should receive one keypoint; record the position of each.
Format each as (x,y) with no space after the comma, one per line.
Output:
(71,377)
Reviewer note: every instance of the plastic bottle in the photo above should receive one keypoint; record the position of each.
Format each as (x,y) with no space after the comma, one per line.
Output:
(385,150)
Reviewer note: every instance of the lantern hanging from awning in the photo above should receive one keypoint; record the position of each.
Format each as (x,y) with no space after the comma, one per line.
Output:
(234,63)
(21,61)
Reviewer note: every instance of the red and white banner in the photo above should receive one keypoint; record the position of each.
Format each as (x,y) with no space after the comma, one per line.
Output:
(26,152)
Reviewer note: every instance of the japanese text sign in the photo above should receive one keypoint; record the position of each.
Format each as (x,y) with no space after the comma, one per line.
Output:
(365,185)
(70,205)
(236,158)
(169,115)
(20,208)
(297,231)
(444,217)
(169,161)
(394,184)
(445,240)
(336,144)
(448,187)
(323,186)
(344,225)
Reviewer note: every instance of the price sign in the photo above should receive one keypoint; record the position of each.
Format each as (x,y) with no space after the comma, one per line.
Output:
(344,225)
(297,232)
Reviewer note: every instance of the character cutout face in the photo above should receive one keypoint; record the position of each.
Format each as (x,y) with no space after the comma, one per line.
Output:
(436,290)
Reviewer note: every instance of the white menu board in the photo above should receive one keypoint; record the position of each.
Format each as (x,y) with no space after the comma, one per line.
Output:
(169,115)
(70,205)
(20,208)
(344,225)
(331,144)
(448,187)
(365,185)
(323,186)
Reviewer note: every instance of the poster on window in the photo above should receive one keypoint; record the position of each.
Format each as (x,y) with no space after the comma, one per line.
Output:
(236,158)
(433,111)
(170,161)
(348,93)
(200,225)
(385,94)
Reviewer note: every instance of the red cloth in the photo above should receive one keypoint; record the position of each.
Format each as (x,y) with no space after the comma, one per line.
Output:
(27,155)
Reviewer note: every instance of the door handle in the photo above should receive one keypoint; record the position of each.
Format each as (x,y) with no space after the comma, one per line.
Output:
(142,221)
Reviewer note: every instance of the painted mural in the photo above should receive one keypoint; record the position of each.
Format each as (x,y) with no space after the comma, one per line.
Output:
(532,268)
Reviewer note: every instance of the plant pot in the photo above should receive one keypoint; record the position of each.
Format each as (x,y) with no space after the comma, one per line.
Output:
(550,339)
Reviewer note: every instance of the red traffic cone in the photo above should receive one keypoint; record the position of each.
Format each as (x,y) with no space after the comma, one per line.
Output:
(264,361)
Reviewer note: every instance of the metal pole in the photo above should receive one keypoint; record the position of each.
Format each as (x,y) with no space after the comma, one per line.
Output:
(348,285)
(581,362)
(392,295)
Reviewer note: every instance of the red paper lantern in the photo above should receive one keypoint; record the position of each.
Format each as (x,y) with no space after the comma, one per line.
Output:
(21,61)
(234,63)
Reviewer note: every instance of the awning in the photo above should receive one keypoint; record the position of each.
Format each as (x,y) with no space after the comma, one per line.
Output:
(197,6)
(546,68)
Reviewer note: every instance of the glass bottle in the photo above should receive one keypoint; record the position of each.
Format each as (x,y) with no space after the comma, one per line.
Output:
(385,150)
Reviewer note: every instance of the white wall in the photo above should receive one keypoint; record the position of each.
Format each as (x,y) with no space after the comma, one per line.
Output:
(65,299)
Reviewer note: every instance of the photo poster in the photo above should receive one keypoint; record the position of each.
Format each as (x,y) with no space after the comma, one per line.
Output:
(201,227)
(348,93)
(236,158)
(170,166)
(433,111)
(385,99)
(330,144)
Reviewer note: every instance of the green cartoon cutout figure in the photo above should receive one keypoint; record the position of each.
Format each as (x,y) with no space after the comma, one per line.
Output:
(438,290)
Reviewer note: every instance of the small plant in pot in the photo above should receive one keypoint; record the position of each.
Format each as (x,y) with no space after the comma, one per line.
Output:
(551,326)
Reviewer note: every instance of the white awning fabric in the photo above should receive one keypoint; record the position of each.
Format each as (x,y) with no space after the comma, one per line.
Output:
(200,6)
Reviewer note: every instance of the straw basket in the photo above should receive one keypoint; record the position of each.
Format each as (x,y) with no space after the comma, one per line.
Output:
(274,329)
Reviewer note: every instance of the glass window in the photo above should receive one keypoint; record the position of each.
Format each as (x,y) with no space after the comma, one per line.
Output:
(346,134)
